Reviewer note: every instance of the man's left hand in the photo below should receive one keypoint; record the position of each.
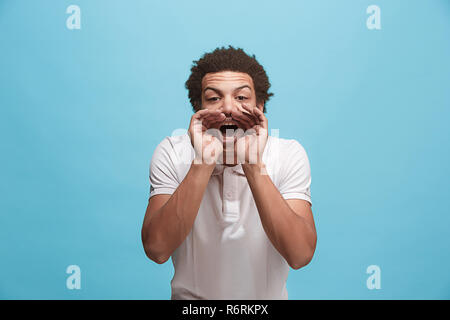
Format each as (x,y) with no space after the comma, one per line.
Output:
(250,146)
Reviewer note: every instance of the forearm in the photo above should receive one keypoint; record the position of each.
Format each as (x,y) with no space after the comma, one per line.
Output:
(165,229)
(291,234)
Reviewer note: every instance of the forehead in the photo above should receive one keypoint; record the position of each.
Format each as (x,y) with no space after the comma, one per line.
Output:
(227,78)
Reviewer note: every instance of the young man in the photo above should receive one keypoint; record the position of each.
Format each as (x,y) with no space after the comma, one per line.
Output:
(230,204)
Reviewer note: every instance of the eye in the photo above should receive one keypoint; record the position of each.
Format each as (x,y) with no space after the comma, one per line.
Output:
(243,98)
(212,99)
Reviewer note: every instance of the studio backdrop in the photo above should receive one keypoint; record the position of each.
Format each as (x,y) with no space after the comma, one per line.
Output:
(88,89)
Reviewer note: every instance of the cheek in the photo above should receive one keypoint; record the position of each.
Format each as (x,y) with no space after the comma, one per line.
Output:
(209,106)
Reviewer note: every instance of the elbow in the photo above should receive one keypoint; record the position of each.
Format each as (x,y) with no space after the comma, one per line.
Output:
(154,251)
(159,259)
(155,256)
(300,263)
(302,260)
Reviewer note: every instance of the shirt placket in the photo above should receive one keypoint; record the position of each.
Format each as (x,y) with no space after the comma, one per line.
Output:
(230,196)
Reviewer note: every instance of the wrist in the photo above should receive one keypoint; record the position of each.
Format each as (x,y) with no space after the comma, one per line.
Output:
(254,168)
(202,166)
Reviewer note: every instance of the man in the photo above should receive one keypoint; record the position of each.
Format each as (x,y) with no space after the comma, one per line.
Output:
(230,204)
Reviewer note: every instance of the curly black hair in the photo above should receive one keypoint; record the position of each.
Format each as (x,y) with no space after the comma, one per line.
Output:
(227,59)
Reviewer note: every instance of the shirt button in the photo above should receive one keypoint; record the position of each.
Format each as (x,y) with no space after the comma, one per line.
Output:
(229,194)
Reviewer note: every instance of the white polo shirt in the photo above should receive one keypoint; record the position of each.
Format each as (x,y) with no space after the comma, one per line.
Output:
(227,254)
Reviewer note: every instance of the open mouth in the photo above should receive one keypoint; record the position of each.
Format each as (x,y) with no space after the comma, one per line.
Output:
(230,133)
(228,129)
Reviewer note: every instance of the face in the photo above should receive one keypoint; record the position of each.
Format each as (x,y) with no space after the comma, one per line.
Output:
(226,91)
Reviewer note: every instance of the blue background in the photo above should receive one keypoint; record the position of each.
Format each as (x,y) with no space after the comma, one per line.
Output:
(83,110)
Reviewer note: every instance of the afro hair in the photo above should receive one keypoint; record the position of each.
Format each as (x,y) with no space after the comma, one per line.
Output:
(227,59)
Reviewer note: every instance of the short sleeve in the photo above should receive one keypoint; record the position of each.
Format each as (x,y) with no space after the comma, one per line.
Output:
(163,174)
(295,179)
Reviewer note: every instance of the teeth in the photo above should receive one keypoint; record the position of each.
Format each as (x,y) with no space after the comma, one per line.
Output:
(228,122)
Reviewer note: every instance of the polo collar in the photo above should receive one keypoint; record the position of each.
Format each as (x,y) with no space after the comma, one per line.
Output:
(219,168)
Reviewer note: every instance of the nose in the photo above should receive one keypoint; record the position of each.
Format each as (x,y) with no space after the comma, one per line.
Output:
(228,106)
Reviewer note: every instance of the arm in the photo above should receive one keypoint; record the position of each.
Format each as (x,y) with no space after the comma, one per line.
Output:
(169,218)
(289,224)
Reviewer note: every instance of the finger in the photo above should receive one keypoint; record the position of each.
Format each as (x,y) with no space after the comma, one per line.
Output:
(197,119)
(245,115)
(213,119)
(257,118)
(243,109)
(250,118)
(248,109)
(215,123)
(243,120)
(214,112)
(201,113)
(261,117)
(260,131)
(251,113)
(205,123)
(205,113)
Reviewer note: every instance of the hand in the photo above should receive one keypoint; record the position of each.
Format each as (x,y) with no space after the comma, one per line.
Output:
(204,138)
(250,146)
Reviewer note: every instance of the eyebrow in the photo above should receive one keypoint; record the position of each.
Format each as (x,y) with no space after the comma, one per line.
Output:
(236,89)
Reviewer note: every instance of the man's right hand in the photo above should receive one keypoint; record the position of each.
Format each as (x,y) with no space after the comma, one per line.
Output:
(169,218)
(205,137)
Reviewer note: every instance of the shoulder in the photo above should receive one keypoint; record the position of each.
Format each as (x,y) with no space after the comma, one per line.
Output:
(175,151)
(174,145)
(285,149)
(285,157)
(288,165)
